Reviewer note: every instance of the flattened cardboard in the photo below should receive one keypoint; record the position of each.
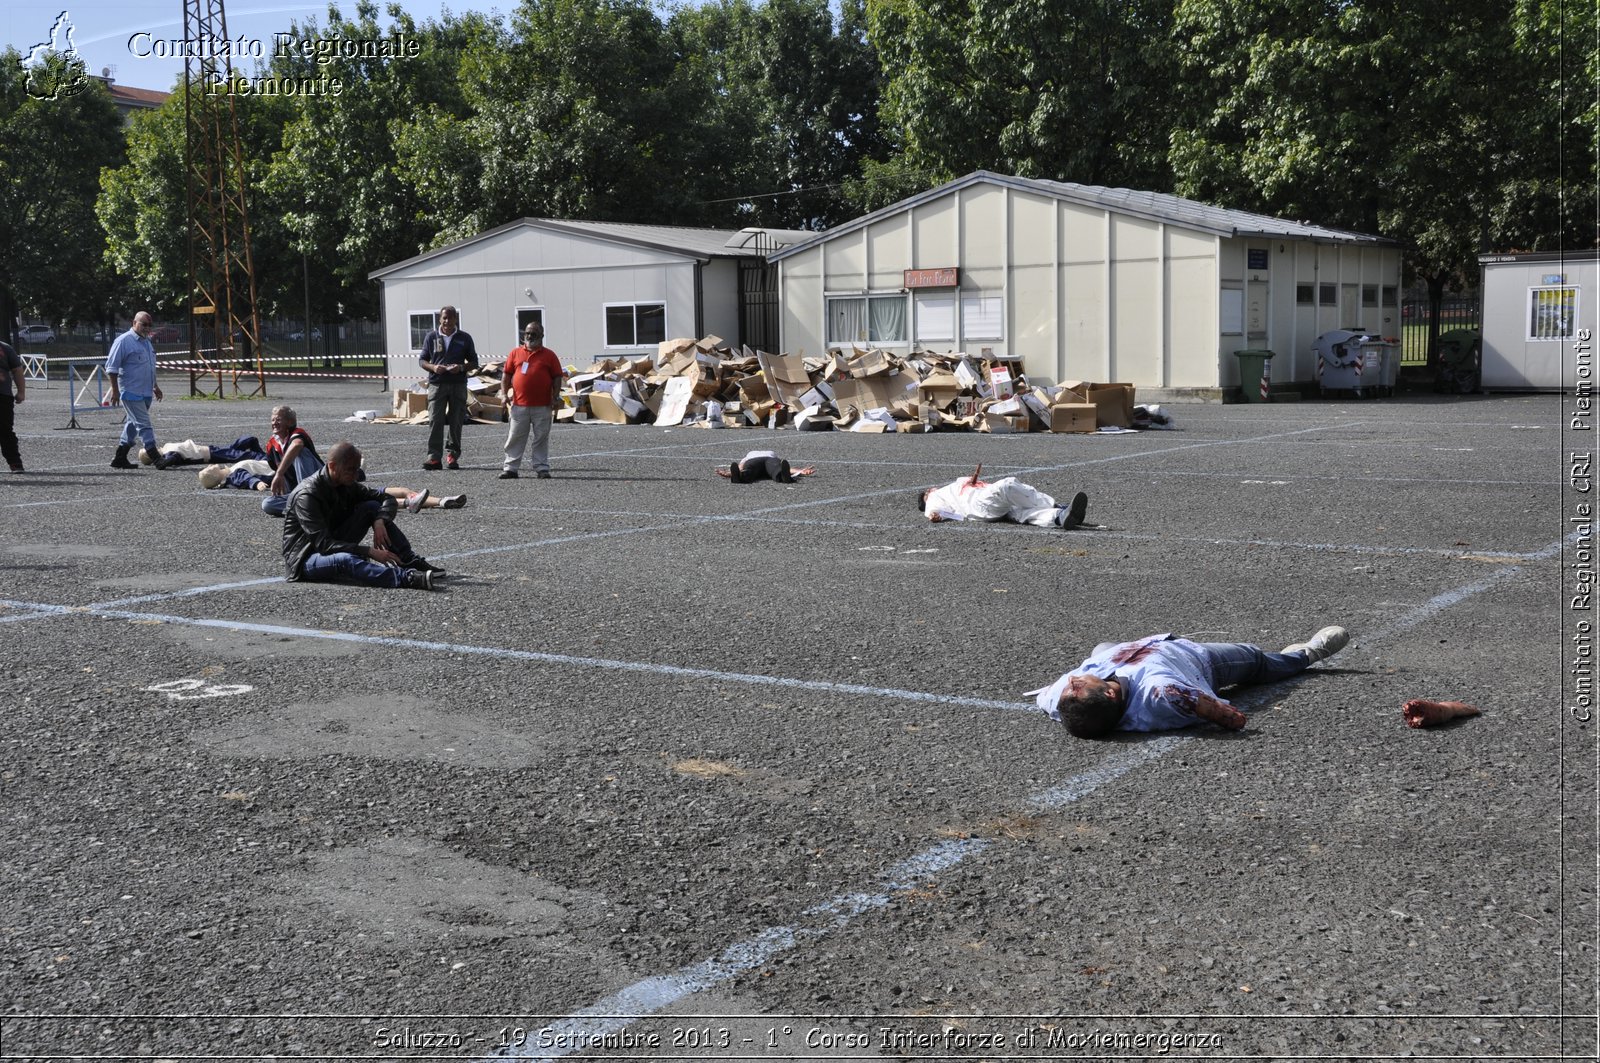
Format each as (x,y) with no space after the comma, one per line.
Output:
(675,401)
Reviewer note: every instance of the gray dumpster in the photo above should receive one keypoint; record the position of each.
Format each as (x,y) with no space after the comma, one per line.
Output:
(1339,361)
(1380,364)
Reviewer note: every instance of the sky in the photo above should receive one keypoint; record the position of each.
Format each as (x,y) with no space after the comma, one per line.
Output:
(104,32)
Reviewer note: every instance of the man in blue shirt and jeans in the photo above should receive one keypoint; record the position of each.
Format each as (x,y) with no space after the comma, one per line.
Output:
(1163,682)
(131,369)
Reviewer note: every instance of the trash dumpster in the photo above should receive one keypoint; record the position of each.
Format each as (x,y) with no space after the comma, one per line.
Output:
(1460,371)
(1380,364)
(1339,361)
(1255,374)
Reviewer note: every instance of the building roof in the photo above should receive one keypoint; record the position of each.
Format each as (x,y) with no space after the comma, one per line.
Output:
(1152,206)
(674,239)
(128,97)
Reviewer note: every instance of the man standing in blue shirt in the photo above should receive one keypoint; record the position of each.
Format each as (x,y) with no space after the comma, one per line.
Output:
(131,369)
(1163,682)
(447,356)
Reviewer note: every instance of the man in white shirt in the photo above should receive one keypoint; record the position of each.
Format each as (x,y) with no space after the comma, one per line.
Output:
(970,498)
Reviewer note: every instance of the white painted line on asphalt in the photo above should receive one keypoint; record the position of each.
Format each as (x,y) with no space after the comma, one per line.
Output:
(505,653)
(583,1029)
(652,995)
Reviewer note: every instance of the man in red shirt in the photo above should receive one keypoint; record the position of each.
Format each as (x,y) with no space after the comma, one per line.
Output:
(530,389)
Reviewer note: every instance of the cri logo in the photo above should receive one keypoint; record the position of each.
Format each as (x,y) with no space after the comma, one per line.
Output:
(54,72)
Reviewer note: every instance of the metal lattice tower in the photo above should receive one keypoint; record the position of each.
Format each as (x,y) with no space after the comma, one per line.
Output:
(224,325)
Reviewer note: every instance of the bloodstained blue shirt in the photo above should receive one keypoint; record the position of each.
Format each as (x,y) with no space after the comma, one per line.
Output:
(1162,677)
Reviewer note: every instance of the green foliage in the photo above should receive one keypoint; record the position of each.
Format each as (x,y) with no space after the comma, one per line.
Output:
(1454,128)
(1063,89)
(51,153)
(347,202)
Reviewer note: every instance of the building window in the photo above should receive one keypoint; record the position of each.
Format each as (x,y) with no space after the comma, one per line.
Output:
(422,322)
(936,318)
(1551,313)
(1303,294)
(1369,295)
(867,319)
(635,324)
(1328,295)
(1391,295)
(982,316)
(527,315)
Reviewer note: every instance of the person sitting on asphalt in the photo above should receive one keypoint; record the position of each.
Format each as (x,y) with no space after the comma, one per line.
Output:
(1163,682)
(1007,499)
(763,465)
(327,518)
(293,457)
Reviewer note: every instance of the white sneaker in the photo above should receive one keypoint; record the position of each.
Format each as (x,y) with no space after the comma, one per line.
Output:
(414,503)
(1322,645)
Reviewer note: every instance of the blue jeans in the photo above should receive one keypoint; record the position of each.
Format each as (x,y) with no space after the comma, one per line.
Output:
(1239,663)
(353,568)
(304,467)
(137,426)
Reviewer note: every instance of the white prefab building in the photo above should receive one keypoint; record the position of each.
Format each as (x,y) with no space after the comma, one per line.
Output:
(600,289)
(1533,308)
(1086,283)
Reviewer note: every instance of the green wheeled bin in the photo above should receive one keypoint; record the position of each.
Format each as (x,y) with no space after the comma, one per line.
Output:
(1255,374)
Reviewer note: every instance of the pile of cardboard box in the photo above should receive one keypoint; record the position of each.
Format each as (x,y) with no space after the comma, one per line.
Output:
(705,383)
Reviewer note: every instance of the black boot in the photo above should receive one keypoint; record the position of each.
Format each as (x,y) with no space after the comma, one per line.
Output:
(163,461)
(121,460)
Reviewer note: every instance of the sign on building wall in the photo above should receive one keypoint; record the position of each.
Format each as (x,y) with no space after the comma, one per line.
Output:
(948,277)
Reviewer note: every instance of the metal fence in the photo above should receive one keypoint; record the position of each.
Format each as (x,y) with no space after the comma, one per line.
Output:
(1457,311)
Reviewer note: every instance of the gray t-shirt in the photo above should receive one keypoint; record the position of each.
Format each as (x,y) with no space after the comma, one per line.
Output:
(10,362)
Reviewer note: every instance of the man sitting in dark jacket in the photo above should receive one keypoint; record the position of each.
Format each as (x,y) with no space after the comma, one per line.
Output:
(329,514)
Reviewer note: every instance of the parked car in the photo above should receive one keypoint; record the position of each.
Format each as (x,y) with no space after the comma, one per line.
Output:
(299,336)
(166,334)
(36,334)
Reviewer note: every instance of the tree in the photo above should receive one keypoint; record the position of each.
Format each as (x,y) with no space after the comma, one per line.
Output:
(50,244)
(1426,125)
(143,206)
(347,200)
(785,102)
(1065,89)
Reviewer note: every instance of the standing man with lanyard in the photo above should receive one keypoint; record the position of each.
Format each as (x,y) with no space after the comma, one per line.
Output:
(531,388)
(131,369)
(447,356)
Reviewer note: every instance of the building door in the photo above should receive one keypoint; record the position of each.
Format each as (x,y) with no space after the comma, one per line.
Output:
(758,305)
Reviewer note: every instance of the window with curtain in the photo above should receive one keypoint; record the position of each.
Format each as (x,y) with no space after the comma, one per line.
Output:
(867,319)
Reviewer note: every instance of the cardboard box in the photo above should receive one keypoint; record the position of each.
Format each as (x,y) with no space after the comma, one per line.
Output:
(1115,403)
(1074,417)
(1000,380)
(602,407)
(1037,408)
(870,363)
(786,375)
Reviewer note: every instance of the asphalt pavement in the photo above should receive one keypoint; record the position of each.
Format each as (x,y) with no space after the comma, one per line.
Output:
(674,767)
